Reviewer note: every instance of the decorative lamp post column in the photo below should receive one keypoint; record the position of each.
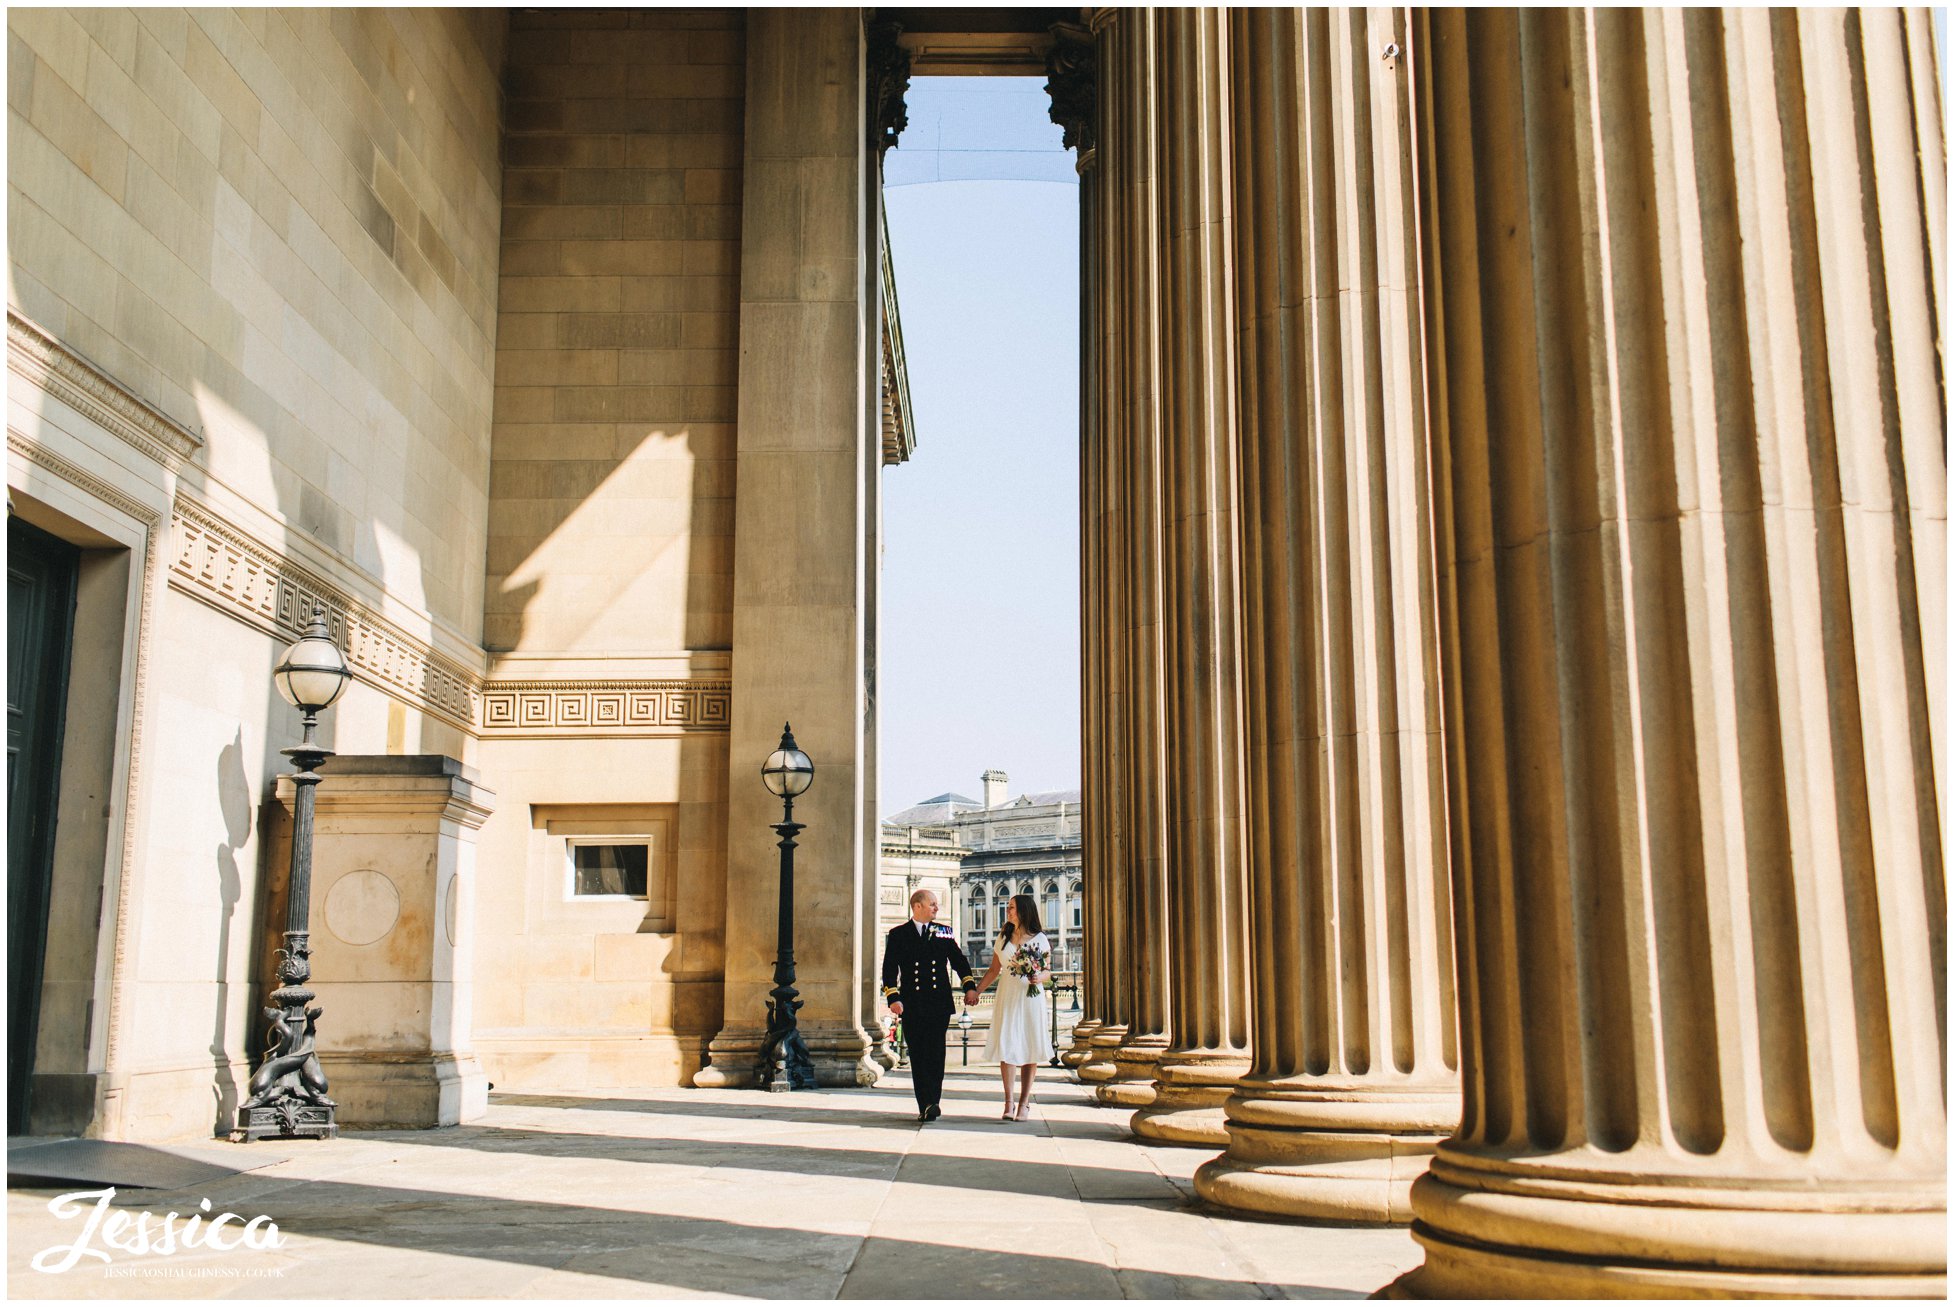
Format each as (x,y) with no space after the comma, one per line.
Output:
(287,1095)
(784,1060)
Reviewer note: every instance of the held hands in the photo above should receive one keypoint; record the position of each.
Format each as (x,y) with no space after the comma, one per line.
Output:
(970,998)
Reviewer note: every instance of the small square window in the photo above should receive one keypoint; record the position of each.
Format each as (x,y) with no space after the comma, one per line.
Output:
(610,870)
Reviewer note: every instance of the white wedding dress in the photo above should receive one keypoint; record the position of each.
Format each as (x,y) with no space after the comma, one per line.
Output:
(1021,1030)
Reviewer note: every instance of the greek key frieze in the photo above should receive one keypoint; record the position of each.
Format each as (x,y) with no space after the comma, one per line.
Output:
(605,707)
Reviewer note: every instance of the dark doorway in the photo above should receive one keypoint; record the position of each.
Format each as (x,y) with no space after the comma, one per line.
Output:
(41,575)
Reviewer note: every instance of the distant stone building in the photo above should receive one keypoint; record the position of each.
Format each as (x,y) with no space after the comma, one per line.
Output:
(1028,845)
(916,856)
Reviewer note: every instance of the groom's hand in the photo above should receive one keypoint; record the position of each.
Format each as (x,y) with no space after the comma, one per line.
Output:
(895,1008)
(970,998)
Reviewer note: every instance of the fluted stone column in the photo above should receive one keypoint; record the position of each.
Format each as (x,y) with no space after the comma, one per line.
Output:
(1200,593)
(1099,869)
(1355,1077)
(1684,273)
(1124,1053)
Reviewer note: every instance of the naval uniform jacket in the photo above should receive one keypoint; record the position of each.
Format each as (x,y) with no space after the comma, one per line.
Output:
(913,970)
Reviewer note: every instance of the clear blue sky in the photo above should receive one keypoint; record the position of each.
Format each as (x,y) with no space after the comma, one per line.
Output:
(979,660)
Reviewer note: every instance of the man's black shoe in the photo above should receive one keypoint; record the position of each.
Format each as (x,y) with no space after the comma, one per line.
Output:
(931,1112)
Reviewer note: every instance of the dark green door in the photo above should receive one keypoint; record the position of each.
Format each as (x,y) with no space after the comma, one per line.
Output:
(41,574)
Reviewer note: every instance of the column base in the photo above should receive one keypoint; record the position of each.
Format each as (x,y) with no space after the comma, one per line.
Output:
(1502,1228)
(839,1050)
(1342,1154)
(1189,1091)
(1133,1073)
(1098,1068)
(1075,1057)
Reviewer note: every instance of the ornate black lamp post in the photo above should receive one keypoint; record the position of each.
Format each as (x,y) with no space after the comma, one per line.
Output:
(288,1093)
(784,1060)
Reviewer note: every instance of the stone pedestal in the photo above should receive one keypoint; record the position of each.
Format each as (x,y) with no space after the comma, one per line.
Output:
(393,871)
(1686,321)
(1355,1076)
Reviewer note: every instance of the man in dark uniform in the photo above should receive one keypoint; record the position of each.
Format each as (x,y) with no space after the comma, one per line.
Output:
(913,982)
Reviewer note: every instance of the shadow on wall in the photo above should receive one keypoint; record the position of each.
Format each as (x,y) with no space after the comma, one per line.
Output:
(234,802)
(591,526)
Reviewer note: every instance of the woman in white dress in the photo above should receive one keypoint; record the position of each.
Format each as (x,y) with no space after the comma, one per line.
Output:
(1021,1034)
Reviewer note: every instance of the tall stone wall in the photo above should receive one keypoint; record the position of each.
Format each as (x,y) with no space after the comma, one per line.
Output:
(609,573)
(279,227)
(252,258)
(612,490)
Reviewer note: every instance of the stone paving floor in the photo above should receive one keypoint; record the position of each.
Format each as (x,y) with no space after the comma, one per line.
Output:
(677,1193)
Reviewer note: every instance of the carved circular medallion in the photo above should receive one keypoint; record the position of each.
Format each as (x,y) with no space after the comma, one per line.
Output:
(362,907)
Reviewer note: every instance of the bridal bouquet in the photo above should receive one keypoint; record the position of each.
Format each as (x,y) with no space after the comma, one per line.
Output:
(1029,962)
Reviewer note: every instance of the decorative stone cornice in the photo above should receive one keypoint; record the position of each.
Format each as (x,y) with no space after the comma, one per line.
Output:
(47,461)
(45,362)
(221,566)
(888,83)
(605,707)
(1071,75)
(898,421)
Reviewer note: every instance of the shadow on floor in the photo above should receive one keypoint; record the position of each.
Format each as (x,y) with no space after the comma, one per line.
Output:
(688,1252)
(67,1163)
(1001,1175)
(895,1116)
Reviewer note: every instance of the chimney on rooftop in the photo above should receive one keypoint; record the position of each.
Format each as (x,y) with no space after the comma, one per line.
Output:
(994,783)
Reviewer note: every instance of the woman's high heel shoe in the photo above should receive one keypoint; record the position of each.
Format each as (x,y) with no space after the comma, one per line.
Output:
(1024,1111)
(1007,1114)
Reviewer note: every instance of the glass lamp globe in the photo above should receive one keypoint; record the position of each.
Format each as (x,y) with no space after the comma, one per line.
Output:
(787,771)
(313,672)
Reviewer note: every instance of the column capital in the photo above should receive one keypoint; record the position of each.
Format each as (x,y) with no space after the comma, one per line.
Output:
(888,84)
(1071,80)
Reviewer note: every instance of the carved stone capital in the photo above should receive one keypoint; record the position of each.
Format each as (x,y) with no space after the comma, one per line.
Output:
(1071,80)
(888,84)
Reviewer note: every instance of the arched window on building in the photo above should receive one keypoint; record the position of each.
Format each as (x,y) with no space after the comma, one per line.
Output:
(1048,909)
(1076,903)
(979,918)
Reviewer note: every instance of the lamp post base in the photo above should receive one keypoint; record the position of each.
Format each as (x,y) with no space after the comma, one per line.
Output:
(286,1119)
(785,1063)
